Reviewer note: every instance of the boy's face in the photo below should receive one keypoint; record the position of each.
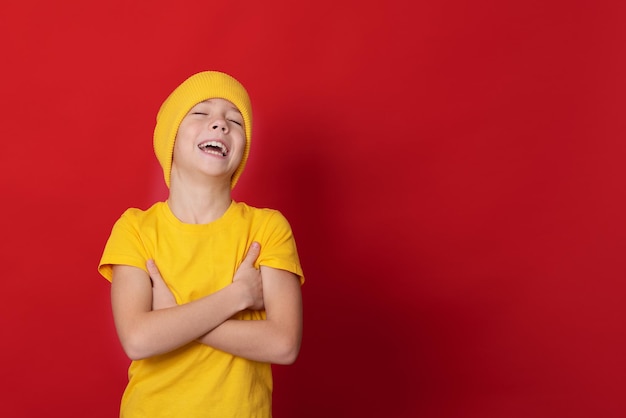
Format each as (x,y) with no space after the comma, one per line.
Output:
(210,140)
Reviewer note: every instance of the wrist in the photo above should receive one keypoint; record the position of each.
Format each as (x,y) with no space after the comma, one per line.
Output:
(243,299)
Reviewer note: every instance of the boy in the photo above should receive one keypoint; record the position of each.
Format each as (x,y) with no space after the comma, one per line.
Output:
(205,291)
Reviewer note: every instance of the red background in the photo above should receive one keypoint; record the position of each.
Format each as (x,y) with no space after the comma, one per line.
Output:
(453,172)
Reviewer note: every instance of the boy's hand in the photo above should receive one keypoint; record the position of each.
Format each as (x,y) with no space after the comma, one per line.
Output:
(162,296)
(250,277)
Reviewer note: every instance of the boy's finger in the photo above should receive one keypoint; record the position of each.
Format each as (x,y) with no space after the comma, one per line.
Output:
(152,268)
(253,252)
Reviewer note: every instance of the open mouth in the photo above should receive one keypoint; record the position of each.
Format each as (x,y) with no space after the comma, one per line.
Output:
(214,147)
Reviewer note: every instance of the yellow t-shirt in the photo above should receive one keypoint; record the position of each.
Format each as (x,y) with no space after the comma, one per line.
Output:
(196,260)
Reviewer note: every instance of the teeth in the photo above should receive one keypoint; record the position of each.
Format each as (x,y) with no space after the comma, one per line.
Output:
(213,146)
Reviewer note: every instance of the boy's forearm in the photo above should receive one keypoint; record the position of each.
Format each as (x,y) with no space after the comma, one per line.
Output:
(257,340)
(275,339)
(144,332)
(148,329)
(168,329)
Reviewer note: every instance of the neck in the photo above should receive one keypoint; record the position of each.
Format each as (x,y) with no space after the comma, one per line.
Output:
(198,205)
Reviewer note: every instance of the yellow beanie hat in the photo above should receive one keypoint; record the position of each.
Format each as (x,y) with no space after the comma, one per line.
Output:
(197,88)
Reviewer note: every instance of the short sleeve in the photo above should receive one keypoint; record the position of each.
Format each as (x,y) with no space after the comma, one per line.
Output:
(124,246)
(278,246)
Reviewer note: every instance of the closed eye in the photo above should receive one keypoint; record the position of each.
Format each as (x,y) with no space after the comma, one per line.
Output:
(235,121)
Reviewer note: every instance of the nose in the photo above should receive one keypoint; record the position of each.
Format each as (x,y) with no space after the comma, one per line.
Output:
(220,124)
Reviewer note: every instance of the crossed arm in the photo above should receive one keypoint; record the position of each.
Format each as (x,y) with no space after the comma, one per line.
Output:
(149,322)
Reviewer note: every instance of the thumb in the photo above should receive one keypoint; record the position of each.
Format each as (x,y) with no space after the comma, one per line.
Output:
(153,271)
(253,253)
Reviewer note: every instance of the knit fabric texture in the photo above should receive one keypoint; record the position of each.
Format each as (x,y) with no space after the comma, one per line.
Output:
(195,89)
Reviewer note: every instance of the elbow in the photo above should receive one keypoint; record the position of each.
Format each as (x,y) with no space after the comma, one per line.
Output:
(135,348)
(287,351)
(135,354)
(288,359)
